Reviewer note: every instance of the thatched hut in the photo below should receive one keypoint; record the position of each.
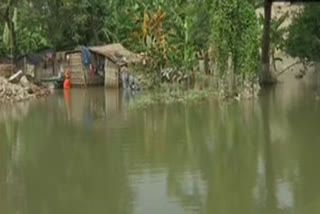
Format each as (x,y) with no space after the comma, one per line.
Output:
(115,56)
(115,52)
(102,67)
(81,74)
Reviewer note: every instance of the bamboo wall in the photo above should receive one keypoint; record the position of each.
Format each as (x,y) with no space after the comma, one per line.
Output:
(111,75)
(78,78)
(76,70)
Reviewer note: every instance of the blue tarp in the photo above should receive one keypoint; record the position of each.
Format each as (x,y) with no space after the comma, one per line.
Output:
(86,56)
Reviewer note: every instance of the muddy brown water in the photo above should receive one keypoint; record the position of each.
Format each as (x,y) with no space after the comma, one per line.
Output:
(86,152)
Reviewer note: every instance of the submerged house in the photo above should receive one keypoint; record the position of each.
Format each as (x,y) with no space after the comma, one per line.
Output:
(40,65)
(98,65)
(89,66)
(85,67)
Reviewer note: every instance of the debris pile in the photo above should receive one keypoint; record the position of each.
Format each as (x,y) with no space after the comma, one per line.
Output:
(21,90)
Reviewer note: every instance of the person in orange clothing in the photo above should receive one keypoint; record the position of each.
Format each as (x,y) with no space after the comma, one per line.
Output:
(66,83)
(66,92)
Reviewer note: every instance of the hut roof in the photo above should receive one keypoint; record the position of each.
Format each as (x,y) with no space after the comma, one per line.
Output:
(117,53)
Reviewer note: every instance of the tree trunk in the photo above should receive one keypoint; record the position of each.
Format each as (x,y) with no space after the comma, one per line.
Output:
(266,77)
(12,29)
(14,42)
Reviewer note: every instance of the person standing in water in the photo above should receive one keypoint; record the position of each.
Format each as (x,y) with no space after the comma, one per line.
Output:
(66,83)
(66,92)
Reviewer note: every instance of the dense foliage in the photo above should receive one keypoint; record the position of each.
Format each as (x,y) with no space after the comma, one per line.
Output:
(235,34)
(172,32)
(304,34)
(176,29)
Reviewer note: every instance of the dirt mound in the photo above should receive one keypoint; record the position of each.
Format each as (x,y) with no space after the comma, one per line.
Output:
(10,93)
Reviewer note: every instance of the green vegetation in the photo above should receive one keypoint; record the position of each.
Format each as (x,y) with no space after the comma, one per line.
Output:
(235,35)
(225,34)
(171,96)
(142,25)
(304,34)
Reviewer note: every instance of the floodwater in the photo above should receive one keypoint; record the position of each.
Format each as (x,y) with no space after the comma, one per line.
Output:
(87,152)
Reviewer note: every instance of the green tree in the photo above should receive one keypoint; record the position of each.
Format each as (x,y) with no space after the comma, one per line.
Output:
(304,34)
(235,34)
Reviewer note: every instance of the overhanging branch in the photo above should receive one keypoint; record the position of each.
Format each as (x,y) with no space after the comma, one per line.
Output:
(288,67)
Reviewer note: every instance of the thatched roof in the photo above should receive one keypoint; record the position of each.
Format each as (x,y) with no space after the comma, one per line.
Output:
(117,53)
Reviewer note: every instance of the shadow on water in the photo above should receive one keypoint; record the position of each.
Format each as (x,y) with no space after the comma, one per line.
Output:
(86,152)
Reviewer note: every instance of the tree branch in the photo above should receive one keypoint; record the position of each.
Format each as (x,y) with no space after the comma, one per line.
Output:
(287,68)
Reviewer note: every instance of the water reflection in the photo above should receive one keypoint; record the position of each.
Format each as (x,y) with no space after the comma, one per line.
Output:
(85,152)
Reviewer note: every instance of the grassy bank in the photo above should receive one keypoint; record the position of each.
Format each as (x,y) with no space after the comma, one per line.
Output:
(204,87)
